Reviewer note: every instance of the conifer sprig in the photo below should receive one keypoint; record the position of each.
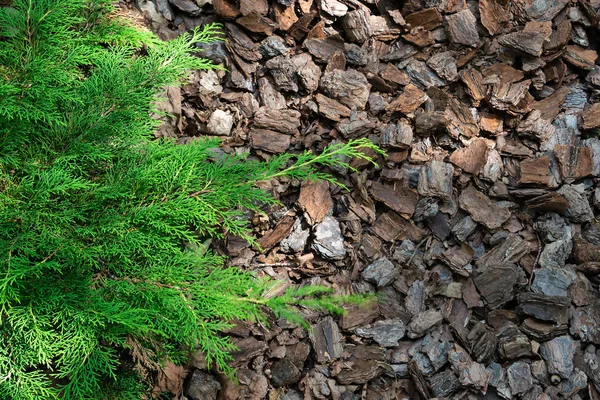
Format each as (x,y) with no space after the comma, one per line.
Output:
(102,228)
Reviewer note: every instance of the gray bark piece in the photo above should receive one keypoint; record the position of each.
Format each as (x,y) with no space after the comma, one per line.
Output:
(328,239)
(579,207)
(519,377)
(464,228)
(327,340)
(555,254)
(356,25)
(444,383)
(422,322)
(558,354)
(551,227)
(415,298)
(462,28)
(382,272)
(385,333)
(545,10)
(283,71)
(585,323)
(444,64)
(509,251)
(187,6)
(348,87)
(202,386)
(530,43)
(435,179)
(546,308)
(421,74)
(497,283)
(553,281)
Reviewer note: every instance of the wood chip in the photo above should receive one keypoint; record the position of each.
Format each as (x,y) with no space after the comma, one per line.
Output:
(472,158)
(539,172)
(580,57)
(284,121)
(315,200)
(268,140)
(399,199)
(462,28)
(429,19)
(482,209)
(493,16)
(575,162)
(332,109)
(590,118)
(410,99)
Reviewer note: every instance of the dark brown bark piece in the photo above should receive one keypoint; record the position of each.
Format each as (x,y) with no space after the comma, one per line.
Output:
(550,107)
(575,162)
(284,121)
(281,231)
(530,43)
(257,23)
(539,172)
(327,341)
(357,26)
(350,87)
(260,7)
(392,74)
(268,140)
(460,121)
(549,202)
(497,284)
(482,209)
(546,308)
(473,81)
(429,19)
(332,109)
(435,179)
(323,48)
(401,200)
(462,28)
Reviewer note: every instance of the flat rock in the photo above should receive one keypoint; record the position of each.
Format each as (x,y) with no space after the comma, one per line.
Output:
(481,209)
(328,239)
(382,272)
(220,123)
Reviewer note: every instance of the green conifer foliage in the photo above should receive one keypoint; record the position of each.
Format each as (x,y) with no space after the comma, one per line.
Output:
(102,227)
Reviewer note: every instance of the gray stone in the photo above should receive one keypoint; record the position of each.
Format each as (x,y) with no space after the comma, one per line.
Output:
(386,333)
(202,386)
(558,354)
(220,123)
(519,377)
(296,240)
(576,382)
(328,239)
(382,272)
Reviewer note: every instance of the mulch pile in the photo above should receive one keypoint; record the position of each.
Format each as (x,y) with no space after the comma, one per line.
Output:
(478,229)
